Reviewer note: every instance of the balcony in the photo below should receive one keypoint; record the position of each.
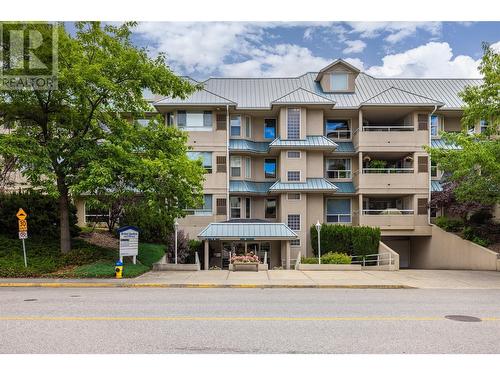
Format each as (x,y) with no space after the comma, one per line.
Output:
(388,128)
(388,219)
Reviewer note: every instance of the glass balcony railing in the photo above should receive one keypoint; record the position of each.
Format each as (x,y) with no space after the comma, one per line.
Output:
(388,170)
(338,173)
(388,211)
(387,128)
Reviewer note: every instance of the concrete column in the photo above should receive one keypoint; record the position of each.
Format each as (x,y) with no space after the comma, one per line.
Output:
(246,247)
(207,260)
(360,120)
(360,204)
(287,244)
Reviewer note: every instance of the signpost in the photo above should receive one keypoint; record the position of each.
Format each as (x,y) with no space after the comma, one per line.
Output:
(129,242)
(23,231)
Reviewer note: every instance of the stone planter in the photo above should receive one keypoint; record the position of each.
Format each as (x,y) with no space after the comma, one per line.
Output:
(329,267)
(247,267)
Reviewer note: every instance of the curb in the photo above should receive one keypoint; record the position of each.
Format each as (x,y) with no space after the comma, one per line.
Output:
(203,286)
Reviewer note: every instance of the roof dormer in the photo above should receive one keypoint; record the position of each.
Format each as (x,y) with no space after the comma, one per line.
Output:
(339,76)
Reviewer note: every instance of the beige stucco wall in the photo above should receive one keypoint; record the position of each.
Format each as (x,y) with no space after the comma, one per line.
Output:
(448,251)
(315,122)
(315,164)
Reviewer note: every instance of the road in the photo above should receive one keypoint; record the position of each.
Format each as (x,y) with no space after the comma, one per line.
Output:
(115,320)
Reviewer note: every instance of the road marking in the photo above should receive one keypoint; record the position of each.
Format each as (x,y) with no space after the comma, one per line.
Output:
(230,318)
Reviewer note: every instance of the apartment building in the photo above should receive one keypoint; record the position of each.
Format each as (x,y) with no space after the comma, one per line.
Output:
(335,146)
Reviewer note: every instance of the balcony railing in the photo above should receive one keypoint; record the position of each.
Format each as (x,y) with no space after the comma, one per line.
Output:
(388,128)
(198,212)
(388,170)
(338,218)
(388,212)
(338,173)
(339,134)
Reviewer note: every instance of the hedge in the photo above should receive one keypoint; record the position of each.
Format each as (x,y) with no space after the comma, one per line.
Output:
(329,258)
(43,215)
(346,239)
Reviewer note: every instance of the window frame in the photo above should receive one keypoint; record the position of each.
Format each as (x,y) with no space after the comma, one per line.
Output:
(349,125)
(202,211)
(275,168)
(293,171)
(208,168)
(188,127)
(339,74)
(275,125)
(266,200)
(299,111)
(293,157)
(248,167)
(248,208)
(95,215)
(248,127)
(231,126)
(299,219)
(347,171)
(231,207)
(338,215)
(293,199)
(232,159)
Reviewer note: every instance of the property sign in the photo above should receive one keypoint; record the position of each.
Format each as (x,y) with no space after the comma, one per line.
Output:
(129,242)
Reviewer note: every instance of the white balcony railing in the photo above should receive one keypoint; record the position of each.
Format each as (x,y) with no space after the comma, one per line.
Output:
(388,212)
(338,173)
(388,170)
(339,134)
(199,212)
(388,128)
(338,218)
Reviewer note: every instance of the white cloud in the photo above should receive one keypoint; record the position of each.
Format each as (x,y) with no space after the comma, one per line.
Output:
(495,47)
(397,31)
(354,46)
(430,60)
(356,62)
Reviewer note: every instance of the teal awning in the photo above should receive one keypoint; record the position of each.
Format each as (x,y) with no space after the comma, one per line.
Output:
(345,187)
(311,184)
(311,141)
(247,231)
(344,147)
(440,143)
(436,186)
(239,186)
(248,146)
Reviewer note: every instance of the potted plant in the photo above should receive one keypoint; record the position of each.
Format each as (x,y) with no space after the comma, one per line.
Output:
(240,261)
(377,164)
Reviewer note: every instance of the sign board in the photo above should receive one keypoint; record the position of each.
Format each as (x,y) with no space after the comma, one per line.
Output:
(129,242)
(21,215)
(23,226)
(23,235)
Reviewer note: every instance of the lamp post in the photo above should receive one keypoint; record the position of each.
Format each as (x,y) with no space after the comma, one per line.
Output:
(176,226)
(318,228)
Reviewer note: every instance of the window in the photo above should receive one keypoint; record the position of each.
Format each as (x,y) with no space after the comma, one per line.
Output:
(248,168)
(338,129)
(270,208)
(434,170)
(205,209)
(293,196)
(221,164)
(422,206)
(338,210)
(206,158)
(294,222)
(270,128)
(422,164)
(235,166)
(293,175)
(221,121)
(143,121)
(270,168)
(295,242)
(293,154)
(221,206)
(96,214)
(248,127)
(235,206)
(170,119)
(247,208)
(483,124)
(194,119)
(423,122)
(339,81)
(293,123)
(435,125)
(338,168)
(235,126)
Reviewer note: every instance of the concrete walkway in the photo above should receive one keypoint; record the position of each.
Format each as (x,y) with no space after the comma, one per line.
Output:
(426,279)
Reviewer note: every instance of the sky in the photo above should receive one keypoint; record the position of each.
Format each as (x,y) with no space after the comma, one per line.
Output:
(276,49)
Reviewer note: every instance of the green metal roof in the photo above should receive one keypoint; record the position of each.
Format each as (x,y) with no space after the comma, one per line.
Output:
(248,146)
(239,186)
(436,186)
(397,96)
(247,231)
(311,184)
(311,141)
(345,147)
(440,143)
(345,187)
(303,96)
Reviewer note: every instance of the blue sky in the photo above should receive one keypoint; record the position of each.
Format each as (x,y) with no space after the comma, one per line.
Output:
(274,49)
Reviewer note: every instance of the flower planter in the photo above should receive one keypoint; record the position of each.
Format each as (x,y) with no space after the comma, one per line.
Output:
(246,266)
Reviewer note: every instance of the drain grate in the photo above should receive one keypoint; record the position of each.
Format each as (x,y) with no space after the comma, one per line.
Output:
(463,318)
(75,296)
(30,299)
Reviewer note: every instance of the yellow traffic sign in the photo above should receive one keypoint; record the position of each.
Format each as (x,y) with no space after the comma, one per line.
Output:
(21,215)
(23,226)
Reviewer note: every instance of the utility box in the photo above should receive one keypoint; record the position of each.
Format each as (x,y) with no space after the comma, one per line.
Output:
(129,242)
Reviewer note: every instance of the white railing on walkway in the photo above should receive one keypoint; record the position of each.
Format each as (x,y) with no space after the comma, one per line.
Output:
(388,211)
(388,170)
(297,261)
(265,258)
(387,128)
(383,259)
(196,258)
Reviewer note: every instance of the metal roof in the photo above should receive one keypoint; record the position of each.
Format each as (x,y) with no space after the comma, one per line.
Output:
(395,96)
(302,96)
(436,186)
(248,231)
(248,146)
(200,97)
(345,187)
(311,141)
(241,186)
(345,147)
(311,184)
(259,93)
(440,143)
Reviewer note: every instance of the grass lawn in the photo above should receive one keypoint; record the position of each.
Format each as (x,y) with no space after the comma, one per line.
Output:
(85,260)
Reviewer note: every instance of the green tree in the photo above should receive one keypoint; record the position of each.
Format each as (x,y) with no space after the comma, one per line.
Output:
(78,136)
(475,166)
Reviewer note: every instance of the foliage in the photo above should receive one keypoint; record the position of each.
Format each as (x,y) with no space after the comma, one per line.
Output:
(329,258)
(183,250)
(78,138)
(140,215)
(150,253)
(249,258)
(42,211)
(471,234)
(449,225)
(378,164)
(346,239)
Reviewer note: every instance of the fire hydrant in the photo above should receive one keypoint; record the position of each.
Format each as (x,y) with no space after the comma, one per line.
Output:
(118,270)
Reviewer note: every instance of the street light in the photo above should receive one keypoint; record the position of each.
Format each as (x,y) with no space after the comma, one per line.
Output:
(176,226)
(318,228)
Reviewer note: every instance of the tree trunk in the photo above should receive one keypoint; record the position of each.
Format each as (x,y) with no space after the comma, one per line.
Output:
(64,216)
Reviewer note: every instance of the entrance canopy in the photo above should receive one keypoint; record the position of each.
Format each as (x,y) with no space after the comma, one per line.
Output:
(247,231)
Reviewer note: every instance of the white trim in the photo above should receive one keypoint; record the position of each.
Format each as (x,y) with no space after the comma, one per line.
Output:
(248,167)
(241,127)
(235,157)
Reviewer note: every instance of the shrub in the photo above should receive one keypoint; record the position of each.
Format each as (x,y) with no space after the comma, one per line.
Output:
(335,258)
(43,215)
(468,233)
(309,260)
(182,247)
(480,241)
(140,215)
(449,225)
(346,239)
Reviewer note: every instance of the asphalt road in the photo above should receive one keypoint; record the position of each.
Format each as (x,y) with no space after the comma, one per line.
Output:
(39,320)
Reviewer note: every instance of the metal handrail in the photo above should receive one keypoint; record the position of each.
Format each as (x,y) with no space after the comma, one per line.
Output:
(388,128)
(379,258)
(388,212)
(265,258)
(388,170)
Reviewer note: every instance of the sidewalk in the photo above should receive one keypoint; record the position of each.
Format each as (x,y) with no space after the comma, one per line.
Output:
(426,279)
